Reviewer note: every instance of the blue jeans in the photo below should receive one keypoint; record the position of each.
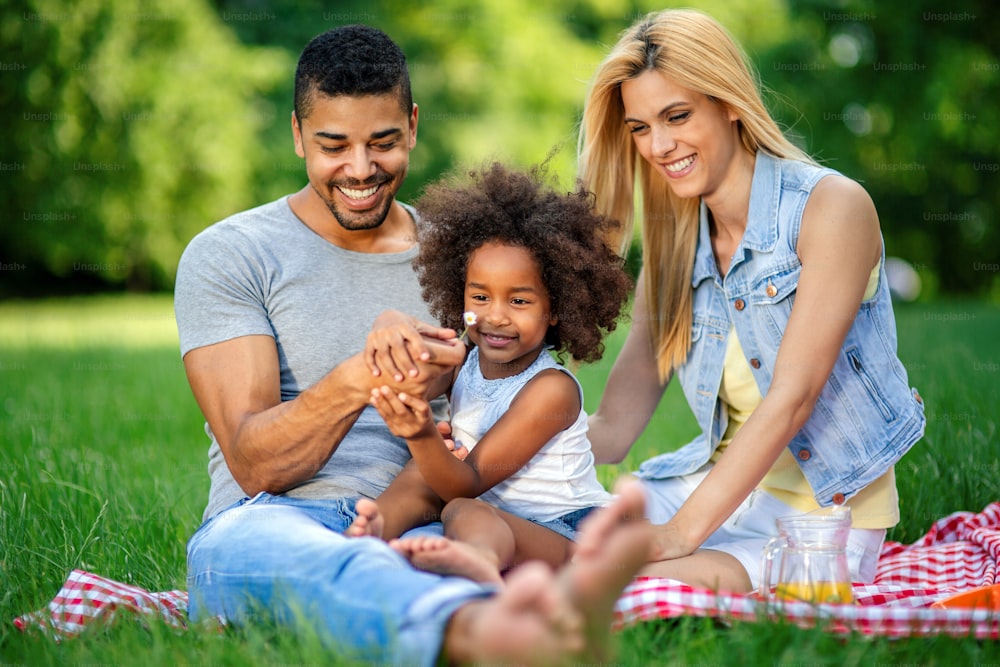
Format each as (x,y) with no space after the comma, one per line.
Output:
(283,560)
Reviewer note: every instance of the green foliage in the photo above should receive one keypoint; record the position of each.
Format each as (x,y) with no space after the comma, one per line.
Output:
(904,99)
(493,80)
(130,128)
(133,127)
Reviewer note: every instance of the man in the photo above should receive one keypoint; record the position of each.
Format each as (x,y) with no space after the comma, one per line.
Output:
(273,308)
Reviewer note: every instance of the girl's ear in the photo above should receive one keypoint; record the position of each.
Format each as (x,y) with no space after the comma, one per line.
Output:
(553,319)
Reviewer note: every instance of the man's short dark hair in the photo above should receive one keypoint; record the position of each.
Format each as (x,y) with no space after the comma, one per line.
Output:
(351,60)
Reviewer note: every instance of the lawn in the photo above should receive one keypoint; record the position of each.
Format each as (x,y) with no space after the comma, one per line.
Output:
(103,468)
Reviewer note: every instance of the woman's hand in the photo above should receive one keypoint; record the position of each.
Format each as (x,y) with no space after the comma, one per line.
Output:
(667,543)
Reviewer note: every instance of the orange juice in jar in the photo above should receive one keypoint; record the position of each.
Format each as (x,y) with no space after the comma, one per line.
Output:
(816,592)
(811,555)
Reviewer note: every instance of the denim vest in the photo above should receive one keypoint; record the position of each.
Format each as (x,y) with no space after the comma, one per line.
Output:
(866,417)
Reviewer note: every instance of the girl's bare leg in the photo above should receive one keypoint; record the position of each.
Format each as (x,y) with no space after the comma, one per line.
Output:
(482,543)
(407,503)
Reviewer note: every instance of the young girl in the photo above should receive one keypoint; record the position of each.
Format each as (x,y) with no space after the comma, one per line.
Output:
(529,267)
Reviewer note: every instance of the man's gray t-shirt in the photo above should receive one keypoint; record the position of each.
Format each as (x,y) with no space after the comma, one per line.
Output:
(263,271)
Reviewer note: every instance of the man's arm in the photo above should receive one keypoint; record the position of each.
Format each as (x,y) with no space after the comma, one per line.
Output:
(271,445)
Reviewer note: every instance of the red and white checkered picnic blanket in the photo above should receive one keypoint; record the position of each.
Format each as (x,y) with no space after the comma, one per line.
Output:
(87,599)
(959,552)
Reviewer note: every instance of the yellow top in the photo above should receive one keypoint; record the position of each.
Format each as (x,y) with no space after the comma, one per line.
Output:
(875,506)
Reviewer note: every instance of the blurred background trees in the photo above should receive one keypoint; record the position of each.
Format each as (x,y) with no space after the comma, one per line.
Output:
(127,127)
(130,126)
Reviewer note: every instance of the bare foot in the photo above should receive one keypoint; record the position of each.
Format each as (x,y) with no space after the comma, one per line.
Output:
(370,521)
(529,622)
(612,547)
(449,557)
(543,619)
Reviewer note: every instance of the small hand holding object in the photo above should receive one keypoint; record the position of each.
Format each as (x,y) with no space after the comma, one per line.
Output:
(469,318)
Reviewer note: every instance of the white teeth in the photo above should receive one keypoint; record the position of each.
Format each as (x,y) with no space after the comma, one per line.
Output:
(678,166)
(358,194)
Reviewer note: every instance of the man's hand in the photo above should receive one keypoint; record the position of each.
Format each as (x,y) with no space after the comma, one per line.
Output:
(398,344)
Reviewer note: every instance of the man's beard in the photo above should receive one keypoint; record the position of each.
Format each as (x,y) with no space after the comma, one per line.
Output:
(361,220)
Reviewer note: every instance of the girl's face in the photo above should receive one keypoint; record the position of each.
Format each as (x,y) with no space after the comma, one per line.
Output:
(503,287)
(689,139)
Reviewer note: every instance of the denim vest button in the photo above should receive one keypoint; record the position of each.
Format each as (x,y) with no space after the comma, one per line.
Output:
(838,499)
(740,304)
(771,290)
(804,455)
(755,363)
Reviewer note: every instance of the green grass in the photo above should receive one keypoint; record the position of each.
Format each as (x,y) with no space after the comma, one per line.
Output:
(102,467)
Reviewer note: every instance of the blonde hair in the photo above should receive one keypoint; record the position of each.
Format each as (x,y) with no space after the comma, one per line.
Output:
(697,53)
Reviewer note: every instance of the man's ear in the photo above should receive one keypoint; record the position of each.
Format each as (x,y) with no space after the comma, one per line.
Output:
(413,126)
(297,135)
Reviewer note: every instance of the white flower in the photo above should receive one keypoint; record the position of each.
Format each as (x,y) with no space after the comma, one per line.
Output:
(469,318)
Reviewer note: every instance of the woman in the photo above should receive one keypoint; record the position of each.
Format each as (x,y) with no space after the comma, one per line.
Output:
(762,289)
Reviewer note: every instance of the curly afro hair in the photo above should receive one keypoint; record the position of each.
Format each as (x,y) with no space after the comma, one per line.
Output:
(586,280)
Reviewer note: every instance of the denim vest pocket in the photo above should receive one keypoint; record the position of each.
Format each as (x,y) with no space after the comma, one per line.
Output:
(694,358)
(700,375)
(776,285)
(697,331)
(868,382)
(773,294)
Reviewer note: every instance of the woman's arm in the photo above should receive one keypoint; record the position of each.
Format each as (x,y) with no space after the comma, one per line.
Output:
(839,245)
(632,392)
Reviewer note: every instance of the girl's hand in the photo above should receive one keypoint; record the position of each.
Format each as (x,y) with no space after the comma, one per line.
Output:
(406,416)
(458,449)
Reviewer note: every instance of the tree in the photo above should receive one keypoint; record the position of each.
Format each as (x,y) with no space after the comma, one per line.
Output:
(905,100)
(129,129)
